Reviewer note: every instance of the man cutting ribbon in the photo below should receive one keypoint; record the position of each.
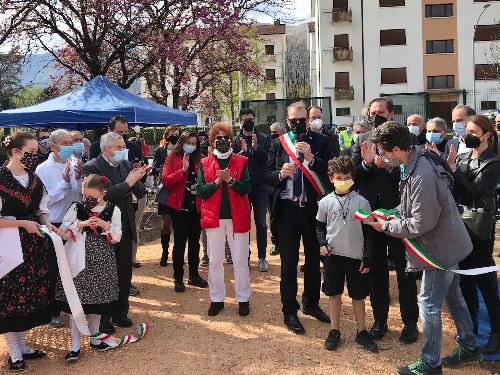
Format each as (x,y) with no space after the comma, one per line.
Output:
(428,216)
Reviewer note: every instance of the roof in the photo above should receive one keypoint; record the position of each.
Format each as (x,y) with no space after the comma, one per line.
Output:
(268,29)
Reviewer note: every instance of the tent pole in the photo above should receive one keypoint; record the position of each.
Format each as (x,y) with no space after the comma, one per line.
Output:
(154,136)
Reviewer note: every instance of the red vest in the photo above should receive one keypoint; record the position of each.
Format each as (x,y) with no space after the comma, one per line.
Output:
(240,206)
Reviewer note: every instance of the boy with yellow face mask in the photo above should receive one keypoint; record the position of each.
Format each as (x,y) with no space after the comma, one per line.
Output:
(346,250)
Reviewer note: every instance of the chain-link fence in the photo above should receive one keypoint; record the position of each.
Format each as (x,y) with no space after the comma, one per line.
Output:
(269,111)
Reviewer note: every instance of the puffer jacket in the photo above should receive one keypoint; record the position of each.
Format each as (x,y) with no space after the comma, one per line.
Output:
(429,214)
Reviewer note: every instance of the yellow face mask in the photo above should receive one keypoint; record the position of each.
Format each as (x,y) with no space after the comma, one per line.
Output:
(342,186)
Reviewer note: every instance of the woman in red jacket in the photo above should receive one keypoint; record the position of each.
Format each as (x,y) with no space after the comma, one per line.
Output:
(223,186)
(180,175)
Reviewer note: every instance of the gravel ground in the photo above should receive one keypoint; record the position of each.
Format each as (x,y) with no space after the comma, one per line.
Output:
(184,340)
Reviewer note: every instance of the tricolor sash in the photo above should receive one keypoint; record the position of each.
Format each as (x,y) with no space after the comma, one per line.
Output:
(418,251)
(320,186)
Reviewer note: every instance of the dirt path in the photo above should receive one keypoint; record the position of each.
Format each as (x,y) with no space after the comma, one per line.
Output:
(184,340)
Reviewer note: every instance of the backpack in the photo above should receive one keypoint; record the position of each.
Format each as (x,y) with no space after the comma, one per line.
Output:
(438,160)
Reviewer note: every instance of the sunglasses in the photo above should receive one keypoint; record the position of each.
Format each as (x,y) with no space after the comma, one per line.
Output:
(222,137)
(294,121)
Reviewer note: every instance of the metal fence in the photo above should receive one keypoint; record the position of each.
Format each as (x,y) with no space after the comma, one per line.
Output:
(269,111)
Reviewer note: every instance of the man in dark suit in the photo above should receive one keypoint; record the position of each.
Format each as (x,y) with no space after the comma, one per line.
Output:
(378,182)
(112,163)
(294,212)
(315,114)
(459,116)
(119,124)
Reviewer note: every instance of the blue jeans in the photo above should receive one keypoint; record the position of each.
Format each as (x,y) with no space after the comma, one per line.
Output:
(259,197)
(436,288)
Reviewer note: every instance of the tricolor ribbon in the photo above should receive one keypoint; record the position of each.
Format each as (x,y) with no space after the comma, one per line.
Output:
(75,304)
(418,251)
(320,186)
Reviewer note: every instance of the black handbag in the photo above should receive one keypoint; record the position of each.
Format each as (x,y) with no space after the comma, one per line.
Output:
(161,194)
(479,222)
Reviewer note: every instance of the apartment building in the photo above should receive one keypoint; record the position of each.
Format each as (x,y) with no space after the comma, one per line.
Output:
(419,52)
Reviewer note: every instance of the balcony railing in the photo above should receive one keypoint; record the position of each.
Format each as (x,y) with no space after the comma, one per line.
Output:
(342,15)
(342,54)
(344,93)
(270,58)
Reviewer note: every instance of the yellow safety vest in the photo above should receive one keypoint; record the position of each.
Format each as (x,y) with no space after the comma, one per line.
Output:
(345,139)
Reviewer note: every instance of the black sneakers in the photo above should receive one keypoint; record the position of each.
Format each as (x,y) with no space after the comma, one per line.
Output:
(16,366)
(364,339)
(215,308)
(37,354)
(179,287)
(198,281)
(378,330)
(333,339)
(101,347)
(72,356)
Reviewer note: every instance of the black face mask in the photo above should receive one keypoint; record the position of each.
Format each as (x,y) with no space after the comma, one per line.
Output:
(90,202)
(299,127)
(173,139)
(125,137)
(222,145)
(379,120)
(248,125)
(275,135)
(30,161)
(471,141)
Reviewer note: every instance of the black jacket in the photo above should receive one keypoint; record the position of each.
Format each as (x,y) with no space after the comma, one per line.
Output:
(334,141)
(134,152)
(320,147)
(120,193)
(476,180)
(379,186)
(161,154)
(257,159)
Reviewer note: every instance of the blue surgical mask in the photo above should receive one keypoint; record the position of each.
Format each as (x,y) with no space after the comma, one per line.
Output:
(120,156)
(65,152)
(459,128)
(433,138)
(414,129)
(189,149)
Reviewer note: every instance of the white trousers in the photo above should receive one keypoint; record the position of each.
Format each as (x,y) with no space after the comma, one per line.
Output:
(238,243)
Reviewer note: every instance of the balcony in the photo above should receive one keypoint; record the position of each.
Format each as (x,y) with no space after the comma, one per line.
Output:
(341,15)
(342,54)
(344,93)
(270,58)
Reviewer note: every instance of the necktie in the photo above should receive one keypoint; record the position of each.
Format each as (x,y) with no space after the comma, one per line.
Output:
(297,183)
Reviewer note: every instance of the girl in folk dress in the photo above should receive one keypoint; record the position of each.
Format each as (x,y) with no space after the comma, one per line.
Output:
(25,293)
(97,284)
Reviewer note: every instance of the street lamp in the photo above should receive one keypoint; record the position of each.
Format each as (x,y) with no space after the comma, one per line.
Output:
(485,6)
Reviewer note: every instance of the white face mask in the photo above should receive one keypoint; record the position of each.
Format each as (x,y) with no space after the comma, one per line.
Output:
(414,129)
(316,125)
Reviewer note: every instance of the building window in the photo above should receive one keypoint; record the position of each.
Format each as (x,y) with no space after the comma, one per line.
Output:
(390,76)
(440,82)
(439,46)
(391,3)
(270,75)
(341,4)
(269,49)
(398,109)
(341,41)
(487,33)
(488,105)
(393,37)
(488,71)
(270,96)
(346,111)
(342,79)
(439,10)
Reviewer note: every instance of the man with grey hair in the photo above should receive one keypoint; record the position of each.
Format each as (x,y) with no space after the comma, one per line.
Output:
(459,116)
(114,165)
(416,126)
(436,135)
(357,129)
(61,176)
(277,129)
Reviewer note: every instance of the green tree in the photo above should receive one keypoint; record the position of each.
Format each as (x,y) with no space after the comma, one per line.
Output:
(10,71)
(29,95)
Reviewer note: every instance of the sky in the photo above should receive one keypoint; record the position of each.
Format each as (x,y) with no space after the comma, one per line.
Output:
(301,11)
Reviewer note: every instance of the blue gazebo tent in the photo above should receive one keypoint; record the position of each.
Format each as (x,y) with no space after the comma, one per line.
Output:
(91,106)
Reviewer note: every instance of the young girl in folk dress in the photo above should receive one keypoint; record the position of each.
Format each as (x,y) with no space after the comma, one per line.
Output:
(97,284)
(25,295)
